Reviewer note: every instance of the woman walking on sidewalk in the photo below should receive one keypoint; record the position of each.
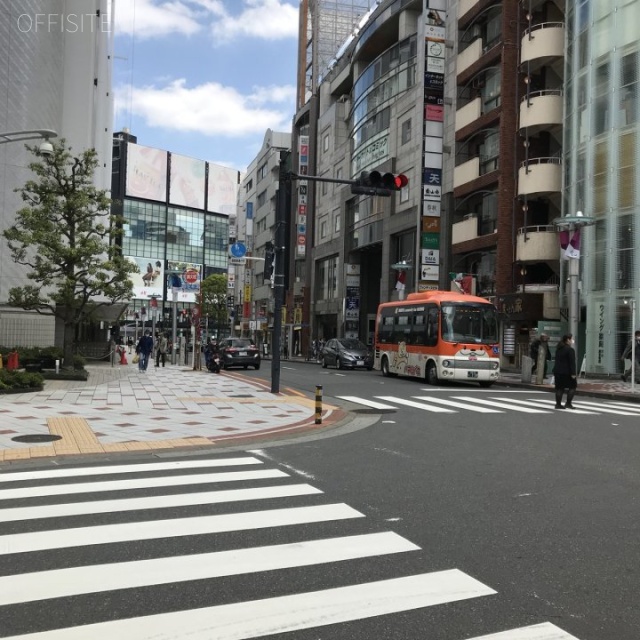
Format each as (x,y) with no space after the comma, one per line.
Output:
(564,372)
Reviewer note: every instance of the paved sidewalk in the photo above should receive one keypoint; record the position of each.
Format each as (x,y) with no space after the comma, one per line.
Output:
(119,409)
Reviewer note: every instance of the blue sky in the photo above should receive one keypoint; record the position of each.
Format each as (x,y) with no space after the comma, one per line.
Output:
(205,78)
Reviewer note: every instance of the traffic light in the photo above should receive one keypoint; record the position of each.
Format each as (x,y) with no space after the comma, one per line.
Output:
(374,183)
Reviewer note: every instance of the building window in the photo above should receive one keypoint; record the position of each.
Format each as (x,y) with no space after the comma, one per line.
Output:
(262,198)
(405,135)
(248,186)
(339,173)
(327,279)
(262,172)
(404,194)
(325,142)
(336,221)
(323,228)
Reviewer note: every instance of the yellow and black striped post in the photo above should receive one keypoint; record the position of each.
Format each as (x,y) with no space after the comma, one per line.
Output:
(318,404)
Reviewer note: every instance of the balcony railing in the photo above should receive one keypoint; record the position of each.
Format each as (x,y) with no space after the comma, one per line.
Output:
(540,110)
(537,244)
(540,175)
(542,42)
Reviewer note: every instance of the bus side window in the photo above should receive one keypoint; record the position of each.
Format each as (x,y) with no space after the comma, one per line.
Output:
(419,335)
(401,329)
(432,327)
(386,330)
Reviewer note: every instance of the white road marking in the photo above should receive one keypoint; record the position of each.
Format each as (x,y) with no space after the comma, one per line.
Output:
(259,618)
(460,405)
(158,529)
(600,408)
(366,403)
(415,405)
(62,583)
(62,472)
(502,405)
(139,483)
(548,404)
(544,631)
(155,502)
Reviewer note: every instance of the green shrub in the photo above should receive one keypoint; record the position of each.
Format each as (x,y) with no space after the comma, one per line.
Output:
(11,380)
(78,362)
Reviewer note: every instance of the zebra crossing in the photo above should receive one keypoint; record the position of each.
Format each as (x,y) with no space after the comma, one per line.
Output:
(491,403)
(73,539)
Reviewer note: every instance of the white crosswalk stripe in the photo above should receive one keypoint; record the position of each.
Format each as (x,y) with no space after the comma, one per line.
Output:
(78,472)
(459,405)
(47,532)
(495,404)
(415,405)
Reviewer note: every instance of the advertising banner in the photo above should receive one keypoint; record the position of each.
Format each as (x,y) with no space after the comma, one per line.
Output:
(190,276)
(149,281)
(187,182)
(146,172)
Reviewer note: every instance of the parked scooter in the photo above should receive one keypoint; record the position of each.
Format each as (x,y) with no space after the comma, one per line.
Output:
(214,365)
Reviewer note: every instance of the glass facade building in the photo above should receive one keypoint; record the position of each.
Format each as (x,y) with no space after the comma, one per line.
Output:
(601,156)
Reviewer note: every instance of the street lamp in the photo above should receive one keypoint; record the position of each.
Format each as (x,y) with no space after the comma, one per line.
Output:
(633,343)
(30,134)
(572,224)
(403,266)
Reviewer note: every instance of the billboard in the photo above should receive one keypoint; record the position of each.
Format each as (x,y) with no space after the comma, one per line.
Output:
(146,172)
(189,276)
(149,281)
(187,182)
(222,192)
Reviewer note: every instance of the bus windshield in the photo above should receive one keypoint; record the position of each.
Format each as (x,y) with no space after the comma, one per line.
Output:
(476,323)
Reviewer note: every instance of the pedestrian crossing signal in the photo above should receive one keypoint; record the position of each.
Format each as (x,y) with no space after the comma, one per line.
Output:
(374,183)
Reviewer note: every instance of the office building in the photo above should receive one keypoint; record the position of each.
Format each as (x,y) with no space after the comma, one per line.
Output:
(55,74)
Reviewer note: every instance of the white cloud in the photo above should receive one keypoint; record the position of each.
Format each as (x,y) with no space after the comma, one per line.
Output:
(210,108)
(264,19)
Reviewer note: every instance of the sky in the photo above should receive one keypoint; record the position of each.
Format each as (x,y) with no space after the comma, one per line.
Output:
(205,78)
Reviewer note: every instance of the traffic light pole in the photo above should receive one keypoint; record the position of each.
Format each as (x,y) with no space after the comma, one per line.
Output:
(372,184)
(284,191)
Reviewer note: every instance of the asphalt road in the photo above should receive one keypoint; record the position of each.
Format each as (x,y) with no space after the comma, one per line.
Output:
(458,513)
(541,507)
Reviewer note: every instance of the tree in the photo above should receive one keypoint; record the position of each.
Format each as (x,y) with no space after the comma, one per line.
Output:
(65,235)
(213,290)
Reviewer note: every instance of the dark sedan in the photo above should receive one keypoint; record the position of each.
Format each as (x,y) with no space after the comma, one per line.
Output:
(239,352)
(346,353)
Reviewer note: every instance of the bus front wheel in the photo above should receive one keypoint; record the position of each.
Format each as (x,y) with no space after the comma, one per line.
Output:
(384,366)
(432,374)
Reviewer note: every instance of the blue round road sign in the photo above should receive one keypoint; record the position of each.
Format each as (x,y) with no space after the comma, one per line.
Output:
(238,250)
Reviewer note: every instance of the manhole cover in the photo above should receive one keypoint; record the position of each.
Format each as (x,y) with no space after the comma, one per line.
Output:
(37,437)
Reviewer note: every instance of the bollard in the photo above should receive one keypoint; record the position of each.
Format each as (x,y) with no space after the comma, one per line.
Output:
(0,361)
(57,367)
(318,404)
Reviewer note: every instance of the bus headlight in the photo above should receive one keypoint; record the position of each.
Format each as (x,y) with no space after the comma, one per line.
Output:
(494,365)
(447,363)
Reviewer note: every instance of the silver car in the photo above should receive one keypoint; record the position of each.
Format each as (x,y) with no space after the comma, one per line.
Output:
(346,353)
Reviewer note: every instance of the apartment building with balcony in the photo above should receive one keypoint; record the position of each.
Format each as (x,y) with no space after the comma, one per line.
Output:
(506,161)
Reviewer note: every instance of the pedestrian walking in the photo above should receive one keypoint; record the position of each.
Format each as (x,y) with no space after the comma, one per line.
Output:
(627,354)
(565,372)
(162,346)
(144,349)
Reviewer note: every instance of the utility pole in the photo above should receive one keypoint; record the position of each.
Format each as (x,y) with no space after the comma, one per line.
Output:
(282,201)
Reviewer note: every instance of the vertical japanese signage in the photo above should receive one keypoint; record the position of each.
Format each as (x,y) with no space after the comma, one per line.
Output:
(433,130)
(301,217)
(352,301)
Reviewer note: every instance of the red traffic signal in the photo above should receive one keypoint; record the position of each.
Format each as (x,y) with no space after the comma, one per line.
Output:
(374,183)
